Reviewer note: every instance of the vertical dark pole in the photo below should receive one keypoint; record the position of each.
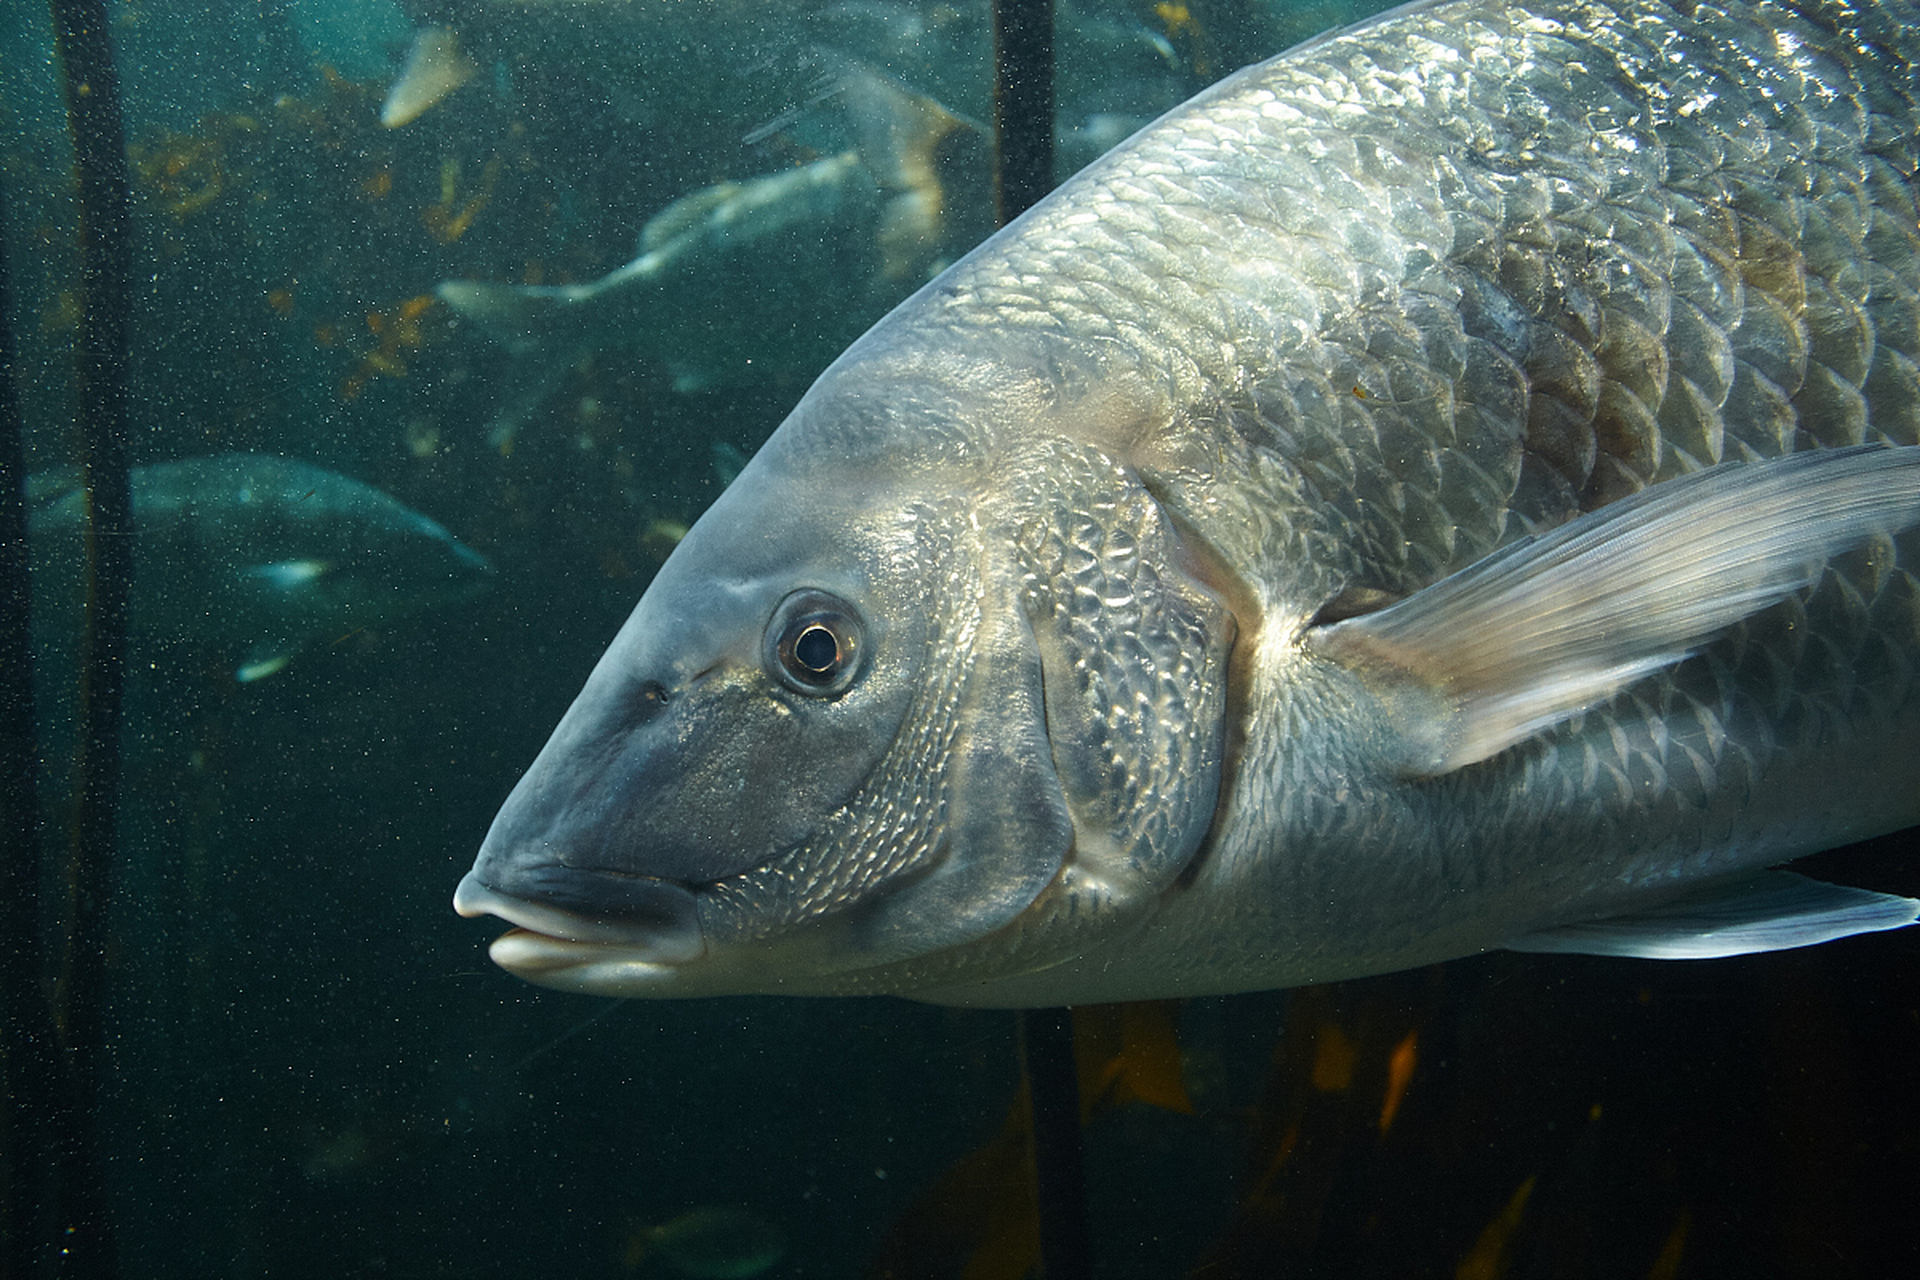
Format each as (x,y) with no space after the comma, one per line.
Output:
(1022,104)
(100,158)
(29,1055)
(1022,173)
(1046,1048)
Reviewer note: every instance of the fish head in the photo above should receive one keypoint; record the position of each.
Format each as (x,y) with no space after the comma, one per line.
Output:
(861,732)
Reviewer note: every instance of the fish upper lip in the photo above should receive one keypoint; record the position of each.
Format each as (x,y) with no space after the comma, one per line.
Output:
(676,939)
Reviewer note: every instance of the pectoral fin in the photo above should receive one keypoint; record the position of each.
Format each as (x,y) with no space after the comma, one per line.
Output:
(1551,625)
(1770,911)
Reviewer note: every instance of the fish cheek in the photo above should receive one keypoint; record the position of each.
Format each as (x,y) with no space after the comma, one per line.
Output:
(740,772)
(1006,830)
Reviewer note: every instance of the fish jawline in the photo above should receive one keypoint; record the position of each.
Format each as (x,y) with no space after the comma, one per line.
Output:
(631,972)
(588,968)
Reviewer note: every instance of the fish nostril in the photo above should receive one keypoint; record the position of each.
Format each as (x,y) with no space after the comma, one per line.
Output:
(649,698)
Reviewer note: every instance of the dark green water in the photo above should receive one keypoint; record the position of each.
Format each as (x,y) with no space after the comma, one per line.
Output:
(315,1070)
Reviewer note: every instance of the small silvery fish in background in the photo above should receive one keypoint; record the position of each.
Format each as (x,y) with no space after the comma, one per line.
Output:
(255,557)
(1452,486)
(812,253)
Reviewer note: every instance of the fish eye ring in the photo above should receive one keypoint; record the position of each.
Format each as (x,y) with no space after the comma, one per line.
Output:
(815,644)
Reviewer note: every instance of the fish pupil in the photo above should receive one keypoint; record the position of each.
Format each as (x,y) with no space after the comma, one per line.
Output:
(814,644)
(817,651)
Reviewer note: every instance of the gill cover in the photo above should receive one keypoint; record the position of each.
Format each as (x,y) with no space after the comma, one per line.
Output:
(1135,646)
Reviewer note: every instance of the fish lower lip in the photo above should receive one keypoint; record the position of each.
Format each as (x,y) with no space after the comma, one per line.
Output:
(656,920)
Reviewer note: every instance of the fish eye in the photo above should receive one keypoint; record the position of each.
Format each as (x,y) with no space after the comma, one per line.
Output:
(816,643)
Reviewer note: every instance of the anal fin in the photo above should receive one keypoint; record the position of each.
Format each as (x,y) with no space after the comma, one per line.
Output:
(1769,911)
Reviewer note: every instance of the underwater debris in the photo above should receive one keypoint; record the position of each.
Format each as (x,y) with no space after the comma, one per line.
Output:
(397,330)
(443,221)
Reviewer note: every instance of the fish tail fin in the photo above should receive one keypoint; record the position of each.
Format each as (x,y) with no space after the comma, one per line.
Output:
(524,319)
(900,133)
(436,66)
(915,149)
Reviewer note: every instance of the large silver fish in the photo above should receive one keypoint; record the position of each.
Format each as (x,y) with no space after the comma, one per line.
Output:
(1449,487)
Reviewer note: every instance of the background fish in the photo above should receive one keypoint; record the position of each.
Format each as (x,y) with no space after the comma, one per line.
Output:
(1393,507)
(776,273)
(255,557)
(758,60)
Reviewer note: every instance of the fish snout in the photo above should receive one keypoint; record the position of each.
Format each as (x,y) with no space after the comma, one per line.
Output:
(648,919)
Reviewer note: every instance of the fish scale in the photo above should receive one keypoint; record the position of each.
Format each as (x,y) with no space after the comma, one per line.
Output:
(1453,384)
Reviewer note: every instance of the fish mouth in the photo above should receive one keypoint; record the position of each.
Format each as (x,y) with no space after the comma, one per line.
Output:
(635,921)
